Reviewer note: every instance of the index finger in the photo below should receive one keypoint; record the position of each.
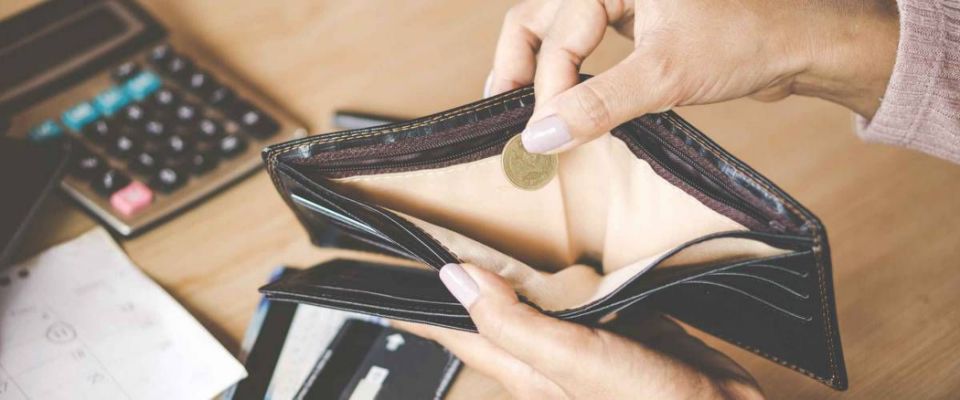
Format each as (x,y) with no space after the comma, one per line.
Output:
(514,61)
(576,31)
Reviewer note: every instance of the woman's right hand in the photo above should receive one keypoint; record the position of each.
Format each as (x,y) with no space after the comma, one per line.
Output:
(689,52)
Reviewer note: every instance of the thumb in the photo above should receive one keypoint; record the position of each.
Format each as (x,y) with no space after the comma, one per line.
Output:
(547,344)
(595,106)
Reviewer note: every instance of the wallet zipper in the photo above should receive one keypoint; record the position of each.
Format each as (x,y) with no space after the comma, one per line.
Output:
(738,204)
(503,134)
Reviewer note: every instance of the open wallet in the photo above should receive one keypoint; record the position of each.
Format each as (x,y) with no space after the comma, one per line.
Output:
(653,212)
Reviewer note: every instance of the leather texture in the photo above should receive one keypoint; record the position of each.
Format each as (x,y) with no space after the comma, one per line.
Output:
(780,307)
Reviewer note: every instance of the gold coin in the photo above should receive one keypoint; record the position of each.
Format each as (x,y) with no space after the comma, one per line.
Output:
(527,171)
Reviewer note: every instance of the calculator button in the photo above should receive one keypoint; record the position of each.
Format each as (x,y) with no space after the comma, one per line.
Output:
(253,120)
(231,145)
(109,181)
(187,112)
(178,67)
(131,199)
(160,54)
(142,85)
(79,115)
(111,100)
(201,83)
(178,145)
(125,71)
(203,161)
(209,129)
(88,165)
(134,113)
(145,162)
(100,131)
(165,98)
(46,130)
(221,96)
(154,129)
(124,145)
(167,179)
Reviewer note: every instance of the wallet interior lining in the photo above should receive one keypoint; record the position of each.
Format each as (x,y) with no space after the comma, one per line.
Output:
(606,207)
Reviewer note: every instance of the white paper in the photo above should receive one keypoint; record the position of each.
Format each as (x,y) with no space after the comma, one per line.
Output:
(311,331)
(85,323)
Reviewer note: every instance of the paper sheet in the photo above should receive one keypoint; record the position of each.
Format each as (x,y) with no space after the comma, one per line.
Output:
(311,331)
(82,322)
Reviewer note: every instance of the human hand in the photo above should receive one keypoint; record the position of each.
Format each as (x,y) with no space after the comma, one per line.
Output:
(689,52)
(536,356)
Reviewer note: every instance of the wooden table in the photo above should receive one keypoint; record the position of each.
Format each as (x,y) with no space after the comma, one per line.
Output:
(893,215)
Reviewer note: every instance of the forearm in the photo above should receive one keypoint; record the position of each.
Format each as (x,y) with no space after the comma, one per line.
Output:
(899,69)
(850,53)
(921,106)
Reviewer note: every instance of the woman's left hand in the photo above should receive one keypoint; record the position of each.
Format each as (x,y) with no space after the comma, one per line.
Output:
(536,356)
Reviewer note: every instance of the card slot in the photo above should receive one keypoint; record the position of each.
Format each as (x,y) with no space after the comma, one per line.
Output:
(791,300)
(339,217)
(355,227)
(452,302)
(805,318)
(396,311)
(772,267)
(364,303)
(709,253)
(786,288)
(762,287)
(389,227)
(662,280)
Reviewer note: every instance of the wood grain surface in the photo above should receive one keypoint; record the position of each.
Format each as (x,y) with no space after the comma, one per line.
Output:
(892,215)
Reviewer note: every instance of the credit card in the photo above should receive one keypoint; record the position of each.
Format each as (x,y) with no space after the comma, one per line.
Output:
(371,362)
(263,341)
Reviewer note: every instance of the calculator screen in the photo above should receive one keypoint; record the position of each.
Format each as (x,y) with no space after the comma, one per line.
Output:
(58,43)
(54,46)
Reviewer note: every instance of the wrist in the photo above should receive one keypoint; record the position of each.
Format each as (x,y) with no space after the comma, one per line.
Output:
(851,55)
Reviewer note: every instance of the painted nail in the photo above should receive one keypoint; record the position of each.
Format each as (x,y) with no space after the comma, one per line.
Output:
(487,85)
(545,135)
(460,284)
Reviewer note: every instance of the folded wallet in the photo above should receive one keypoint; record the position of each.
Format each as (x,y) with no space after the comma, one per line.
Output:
(653,212)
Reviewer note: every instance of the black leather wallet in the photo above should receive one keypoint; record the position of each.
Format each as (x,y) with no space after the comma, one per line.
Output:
(654,212)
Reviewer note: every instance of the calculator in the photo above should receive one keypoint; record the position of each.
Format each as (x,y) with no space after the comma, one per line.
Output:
(155,125)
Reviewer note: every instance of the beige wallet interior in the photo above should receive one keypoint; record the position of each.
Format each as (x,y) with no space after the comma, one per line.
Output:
(606,207)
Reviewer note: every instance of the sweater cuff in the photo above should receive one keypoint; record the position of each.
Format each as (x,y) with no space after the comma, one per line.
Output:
(909,115)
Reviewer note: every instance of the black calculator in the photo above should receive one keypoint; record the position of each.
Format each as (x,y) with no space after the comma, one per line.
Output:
(155,126)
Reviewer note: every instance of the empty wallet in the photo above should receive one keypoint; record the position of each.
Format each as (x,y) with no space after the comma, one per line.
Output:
(653,212)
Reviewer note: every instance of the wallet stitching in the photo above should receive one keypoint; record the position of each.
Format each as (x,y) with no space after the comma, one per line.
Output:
(417,173)
(776,359)
(828,331)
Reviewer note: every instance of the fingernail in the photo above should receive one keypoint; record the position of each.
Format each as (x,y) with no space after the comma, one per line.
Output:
(545,135)
(460,284)
(487,85)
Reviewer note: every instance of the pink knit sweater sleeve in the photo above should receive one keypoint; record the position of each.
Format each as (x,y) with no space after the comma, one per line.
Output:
(921,107)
